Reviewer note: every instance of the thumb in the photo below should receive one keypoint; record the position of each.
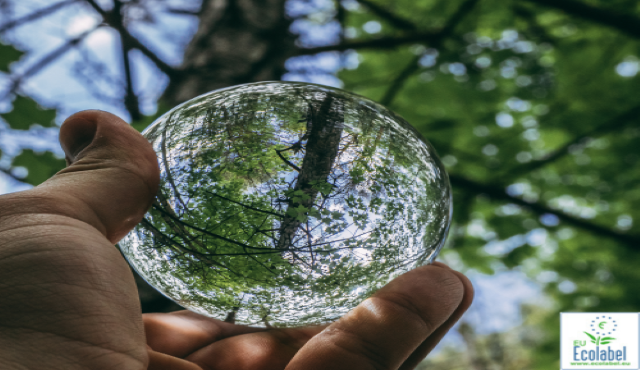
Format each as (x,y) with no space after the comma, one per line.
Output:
(72,296)
(112,174)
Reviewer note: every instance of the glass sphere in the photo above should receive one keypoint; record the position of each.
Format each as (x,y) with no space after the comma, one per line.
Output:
(285,203)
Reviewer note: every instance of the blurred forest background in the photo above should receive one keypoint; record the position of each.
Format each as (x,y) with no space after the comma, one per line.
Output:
(533,106)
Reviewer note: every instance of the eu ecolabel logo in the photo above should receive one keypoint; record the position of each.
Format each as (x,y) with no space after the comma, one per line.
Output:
(599,341)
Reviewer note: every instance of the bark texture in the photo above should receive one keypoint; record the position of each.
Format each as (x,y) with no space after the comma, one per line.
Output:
(237,41)
(324,130)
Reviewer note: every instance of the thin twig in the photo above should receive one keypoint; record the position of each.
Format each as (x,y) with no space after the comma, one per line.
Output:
(182,222)
(615,124)
(35,15)
(413,65)
(130,98)
(12,176)
(46,60)
(108,18)
(496,192)
(246,206)
(394,19)
(399,81)
(287,161)
(182,11)
(386,42)
(626,23)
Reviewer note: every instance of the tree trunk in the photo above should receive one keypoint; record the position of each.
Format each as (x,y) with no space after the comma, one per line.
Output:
(323,139)
(237,41)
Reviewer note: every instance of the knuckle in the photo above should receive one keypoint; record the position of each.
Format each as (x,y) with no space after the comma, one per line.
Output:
(265,349)
(405,307)
(357,346)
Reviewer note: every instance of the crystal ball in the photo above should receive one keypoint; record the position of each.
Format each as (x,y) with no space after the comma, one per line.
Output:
(285,203)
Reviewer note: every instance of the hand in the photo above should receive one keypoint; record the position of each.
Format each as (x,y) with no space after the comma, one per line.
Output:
(68,299)
(395,329)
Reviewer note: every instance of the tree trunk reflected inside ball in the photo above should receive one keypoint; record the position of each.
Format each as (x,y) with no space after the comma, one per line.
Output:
(287,203)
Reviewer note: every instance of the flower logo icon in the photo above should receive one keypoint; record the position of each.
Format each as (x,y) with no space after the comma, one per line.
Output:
(602,325)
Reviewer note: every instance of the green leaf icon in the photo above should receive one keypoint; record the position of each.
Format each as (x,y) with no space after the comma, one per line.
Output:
(590,336)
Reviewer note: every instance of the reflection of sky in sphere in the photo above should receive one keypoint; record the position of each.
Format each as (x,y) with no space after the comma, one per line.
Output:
(286,201)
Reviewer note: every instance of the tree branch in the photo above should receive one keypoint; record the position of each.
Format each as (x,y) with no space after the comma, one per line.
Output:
(496,192)
(612,125)
(529,17)
(130,98)
(399,81)
(112,20)
(246,206)
(97,8)
(387,42)
(182,11)
(287,161)
(206,232)
(626,23)
(395,20)
(35,15)
(413,65)
(42,63)
(341,17)
(390,42)
(8,173)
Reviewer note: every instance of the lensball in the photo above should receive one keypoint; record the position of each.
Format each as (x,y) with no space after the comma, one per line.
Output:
(285,203)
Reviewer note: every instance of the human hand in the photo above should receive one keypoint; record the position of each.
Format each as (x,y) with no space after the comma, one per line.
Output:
(68,299)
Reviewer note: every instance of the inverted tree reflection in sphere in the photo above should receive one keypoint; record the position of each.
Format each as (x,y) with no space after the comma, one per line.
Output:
(287,203)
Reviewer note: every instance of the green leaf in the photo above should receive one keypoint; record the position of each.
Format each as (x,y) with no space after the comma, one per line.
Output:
(590,336)
(314,213)
(608,338)
(517,255)
(26,112)
(8,55)
(605,342)
(41,166)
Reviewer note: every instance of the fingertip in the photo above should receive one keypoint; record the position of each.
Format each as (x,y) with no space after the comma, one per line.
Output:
(429,282)
(428,345)
(469,291)
(93,129)
(467,286)
(112,175)
(387,328)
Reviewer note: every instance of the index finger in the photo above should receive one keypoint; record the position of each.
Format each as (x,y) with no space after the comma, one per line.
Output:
(184,332)
(383,331)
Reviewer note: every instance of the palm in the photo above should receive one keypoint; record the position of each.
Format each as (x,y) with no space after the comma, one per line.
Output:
(215,344)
